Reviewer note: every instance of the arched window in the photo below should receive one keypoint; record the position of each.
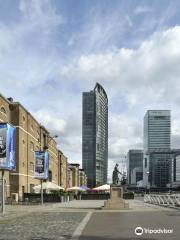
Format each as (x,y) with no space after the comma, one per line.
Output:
(3,110)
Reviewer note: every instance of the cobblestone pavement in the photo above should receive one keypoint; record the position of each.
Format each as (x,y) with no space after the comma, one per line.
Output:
(61,220)
(40,225)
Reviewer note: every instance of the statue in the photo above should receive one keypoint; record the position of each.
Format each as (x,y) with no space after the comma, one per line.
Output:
(116,200)
(115,177)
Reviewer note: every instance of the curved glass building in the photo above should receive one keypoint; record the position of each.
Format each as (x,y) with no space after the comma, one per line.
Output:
(95,136)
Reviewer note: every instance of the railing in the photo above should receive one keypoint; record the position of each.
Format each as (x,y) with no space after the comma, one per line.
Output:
(168,200)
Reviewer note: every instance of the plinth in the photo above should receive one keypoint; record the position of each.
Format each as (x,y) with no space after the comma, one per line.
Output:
(116,201)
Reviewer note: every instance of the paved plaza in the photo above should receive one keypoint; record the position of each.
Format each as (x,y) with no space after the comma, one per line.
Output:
(122,225)
(50,221)
(85,220)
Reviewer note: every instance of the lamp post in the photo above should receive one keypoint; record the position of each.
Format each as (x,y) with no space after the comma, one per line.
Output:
(45,148)
(42,192)
(50,138)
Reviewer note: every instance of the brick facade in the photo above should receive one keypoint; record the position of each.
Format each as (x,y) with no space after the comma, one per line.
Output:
(32,136)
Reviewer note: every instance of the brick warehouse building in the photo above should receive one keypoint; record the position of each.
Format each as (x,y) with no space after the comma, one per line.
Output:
(63,161)
(30,136)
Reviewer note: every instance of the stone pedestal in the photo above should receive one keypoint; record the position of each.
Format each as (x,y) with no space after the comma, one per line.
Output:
(116,200)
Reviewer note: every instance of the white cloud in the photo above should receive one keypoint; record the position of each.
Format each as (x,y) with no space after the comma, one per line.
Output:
(51,121)
(135,79)
(68,130)
(142,76)
(24,45)
(147,77)
(154,64)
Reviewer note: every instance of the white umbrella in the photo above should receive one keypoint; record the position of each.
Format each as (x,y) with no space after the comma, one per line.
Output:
(76,188)
(48,186)
(104,187)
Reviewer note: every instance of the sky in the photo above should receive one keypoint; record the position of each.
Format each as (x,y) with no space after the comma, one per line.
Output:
(53,50)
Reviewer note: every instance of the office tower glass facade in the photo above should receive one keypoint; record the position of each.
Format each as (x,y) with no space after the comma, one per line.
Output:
(95,135)
(134,166)
(157,129)
(160,168)
(157,148)
(176,171)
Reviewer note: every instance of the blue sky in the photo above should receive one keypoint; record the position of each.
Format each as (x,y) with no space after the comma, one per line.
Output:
(52,51)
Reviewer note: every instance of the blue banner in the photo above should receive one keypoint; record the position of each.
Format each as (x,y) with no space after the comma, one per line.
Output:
(7,147)
(41,164)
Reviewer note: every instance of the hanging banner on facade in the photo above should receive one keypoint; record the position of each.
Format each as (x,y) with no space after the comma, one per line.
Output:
(7,147)
(41,164)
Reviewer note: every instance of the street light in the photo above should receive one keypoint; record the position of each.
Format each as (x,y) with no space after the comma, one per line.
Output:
(45,148)
(55,136)
(49,140)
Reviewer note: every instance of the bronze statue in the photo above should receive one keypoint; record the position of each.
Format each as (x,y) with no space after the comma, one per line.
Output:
(115,177)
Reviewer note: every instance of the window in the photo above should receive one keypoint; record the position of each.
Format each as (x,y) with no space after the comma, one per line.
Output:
(50,176)
(145,162)
(160,117)
(3,110)
(97,146)
(44,140)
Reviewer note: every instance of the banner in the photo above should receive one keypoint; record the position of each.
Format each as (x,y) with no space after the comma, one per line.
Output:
(41,164)
(7,147)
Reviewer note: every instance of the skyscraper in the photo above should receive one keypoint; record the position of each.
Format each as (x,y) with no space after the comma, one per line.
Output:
(134,166)
(95,135)
(157,130)
(157,148)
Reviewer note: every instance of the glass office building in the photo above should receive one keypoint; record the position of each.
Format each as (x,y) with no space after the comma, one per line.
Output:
(160,168)
(176,171)
(134,166)
(95,135)
(157,148)
(157,130)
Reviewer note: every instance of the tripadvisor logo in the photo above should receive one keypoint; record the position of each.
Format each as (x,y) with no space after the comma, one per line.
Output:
(139,231)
